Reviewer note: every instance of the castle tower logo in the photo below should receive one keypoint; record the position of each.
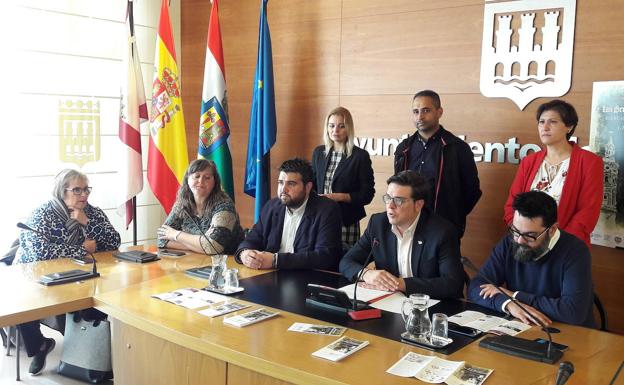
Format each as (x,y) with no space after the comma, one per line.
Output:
(79,131)
(527,49)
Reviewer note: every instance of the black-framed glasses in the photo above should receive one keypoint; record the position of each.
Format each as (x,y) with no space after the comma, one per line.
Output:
(80,191)
(530,237)
(398,201)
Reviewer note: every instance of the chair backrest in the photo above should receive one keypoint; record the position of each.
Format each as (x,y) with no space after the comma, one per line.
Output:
(604,321)
(10,255)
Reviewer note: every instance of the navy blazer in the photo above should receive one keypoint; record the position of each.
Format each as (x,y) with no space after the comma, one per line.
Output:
(436,264)
(317,242)
(353,175)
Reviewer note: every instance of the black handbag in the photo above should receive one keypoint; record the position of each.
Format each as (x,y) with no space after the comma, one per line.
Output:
(87,347)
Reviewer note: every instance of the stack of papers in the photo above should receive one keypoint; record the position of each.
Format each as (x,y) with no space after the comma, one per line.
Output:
(249,318)
(488,323)
(340,349)
(225,308)
(191,298)
(435,370)
(317,329)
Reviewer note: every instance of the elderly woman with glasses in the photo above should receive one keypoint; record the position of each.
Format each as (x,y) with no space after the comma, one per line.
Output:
(66,225)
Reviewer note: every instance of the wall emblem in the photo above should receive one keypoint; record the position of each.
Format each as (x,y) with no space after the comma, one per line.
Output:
(79,131)
(527,49)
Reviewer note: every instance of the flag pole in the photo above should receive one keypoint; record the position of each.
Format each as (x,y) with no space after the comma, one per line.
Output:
(134,207)
(134,221)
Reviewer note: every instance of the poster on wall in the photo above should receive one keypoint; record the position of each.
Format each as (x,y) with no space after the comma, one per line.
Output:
(606,138)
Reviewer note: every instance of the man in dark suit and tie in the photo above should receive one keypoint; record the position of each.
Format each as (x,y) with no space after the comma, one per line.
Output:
(296,230)
(414,250)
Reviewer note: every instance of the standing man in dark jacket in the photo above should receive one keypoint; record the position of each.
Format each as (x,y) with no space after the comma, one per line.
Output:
(445,160)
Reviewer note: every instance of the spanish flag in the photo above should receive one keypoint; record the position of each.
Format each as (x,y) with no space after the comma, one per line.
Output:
(167,157)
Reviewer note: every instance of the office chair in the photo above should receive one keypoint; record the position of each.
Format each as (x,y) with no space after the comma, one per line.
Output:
(604,322)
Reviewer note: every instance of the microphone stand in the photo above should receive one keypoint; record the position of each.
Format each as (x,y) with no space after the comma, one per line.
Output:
(514,345)
(204,271)
(368,312)
(62,276)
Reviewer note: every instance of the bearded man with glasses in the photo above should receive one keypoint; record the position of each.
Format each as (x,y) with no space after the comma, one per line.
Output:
(413,250)
(541,266)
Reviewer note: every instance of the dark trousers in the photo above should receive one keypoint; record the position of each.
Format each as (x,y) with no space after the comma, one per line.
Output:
(30,332)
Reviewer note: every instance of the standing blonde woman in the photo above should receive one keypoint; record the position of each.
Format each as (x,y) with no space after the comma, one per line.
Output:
(343,172)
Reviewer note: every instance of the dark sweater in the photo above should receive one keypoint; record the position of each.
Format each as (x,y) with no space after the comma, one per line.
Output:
(559,284)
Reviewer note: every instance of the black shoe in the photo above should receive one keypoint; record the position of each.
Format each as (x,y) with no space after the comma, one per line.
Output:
(39,359)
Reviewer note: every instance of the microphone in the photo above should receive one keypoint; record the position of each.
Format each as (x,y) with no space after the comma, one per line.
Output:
(63,276)
(356,314)
(565,371)
(514,345)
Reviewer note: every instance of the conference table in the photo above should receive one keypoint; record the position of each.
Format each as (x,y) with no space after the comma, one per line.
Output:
(156,342)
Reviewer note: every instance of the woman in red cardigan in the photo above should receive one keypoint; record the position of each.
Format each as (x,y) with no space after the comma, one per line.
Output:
(572,176)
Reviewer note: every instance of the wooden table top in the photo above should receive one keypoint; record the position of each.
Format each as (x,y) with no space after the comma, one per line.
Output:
(268,348)
(24,299)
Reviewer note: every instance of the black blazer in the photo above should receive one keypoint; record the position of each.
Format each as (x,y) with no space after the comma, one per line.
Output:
(354,175)
(317,241)
(436,262)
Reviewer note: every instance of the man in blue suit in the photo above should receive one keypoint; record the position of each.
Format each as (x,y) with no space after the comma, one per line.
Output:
(296,230)
(414,250)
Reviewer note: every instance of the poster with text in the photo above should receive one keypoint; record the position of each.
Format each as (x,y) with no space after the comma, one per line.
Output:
(606,138)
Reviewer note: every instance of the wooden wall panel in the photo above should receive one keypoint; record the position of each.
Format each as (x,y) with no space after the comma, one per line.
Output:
(400,53)
(371,57)
(358,8)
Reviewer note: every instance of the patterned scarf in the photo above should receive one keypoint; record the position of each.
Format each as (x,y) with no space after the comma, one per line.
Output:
(74,228)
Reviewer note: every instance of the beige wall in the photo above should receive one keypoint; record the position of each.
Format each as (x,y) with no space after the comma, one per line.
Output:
(371,57)
(71,50)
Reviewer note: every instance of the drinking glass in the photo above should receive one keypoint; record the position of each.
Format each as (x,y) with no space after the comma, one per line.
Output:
(439,328)
(231,279)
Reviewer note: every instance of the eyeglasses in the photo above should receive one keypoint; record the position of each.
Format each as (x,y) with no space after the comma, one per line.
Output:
(527,236)
(79,191)
(398,201)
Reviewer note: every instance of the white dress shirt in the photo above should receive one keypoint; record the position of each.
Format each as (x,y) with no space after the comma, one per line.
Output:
(292,220)
(404,248)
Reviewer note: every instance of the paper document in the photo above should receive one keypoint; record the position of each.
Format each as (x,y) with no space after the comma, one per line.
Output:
(317,329)
(250,317)
(365,294)
(380,299)
(225,308)
(340,349)
(394,303)
(488,323)
(436,370)
(190,298)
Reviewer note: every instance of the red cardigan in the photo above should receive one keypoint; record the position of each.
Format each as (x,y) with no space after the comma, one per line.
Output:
(581,197)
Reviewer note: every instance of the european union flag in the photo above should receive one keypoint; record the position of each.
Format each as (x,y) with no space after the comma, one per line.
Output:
(262,126)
